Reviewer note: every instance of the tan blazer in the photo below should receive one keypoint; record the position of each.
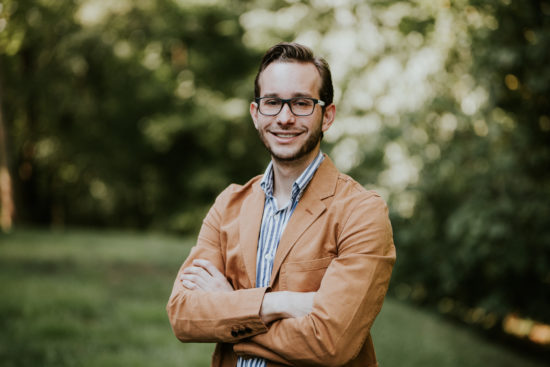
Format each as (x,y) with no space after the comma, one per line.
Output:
(337,242)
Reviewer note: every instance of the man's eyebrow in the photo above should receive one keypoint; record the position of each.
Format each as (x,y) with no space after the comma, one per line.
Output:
(301,95)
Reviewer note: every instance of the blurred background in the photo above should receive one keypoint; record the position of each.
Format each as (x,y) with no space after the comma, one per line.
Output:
(120,122)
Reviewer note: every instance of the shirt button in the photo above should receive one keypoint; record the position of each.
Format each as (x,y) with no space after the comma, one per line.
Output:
(267,257)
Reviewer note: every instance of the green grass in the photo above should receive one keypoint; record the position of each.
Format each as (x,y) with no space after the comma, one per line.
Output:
(89,298)
(407,336)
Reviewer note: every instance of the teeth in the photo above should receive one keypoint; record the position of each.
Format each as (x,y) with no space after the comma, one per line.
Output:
(285,135)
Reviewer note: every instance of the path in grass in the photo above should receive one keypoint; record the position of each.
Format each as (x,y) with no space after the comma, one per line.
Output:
(90,298)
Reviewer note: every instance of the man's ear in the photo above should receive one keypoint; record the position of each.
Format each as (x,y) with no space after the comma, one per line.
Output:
(254,113)
(328,116)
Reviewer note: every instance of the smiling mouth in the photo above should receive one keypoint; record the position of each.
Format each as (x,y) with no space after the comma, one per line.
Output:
(286,135)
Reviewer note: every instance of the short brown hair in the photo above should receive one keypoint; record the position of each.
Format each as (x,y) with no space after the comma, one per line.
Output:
(289,52)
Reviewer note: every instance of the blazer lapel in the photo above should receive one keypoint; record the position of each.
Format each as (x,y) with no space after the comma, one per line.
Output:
(249,227)
(309,208)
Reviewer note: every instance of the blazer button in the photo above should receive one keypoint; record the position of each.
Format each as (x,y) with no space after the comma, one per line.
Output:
(234,333)
(248,330)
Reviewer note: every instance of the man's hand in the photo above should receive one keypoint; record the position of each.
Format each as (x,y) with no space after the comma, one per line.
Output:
(205,276)
(284,305)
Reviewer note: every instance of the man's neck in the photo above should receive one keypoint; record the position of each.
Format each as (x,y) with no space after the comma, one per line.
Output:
(285,174)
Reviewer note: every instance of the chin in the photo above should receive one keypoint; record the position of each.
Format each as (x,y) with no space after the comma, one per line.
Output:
(293,156)
(284,156)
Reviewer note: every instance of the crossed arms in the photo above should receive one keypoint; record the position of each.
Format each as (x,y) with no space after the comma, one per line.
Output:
(203,275)
(326,327)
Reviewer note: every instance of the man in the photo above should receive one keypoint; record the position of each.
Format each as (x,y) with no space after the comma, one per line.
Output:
(292,267)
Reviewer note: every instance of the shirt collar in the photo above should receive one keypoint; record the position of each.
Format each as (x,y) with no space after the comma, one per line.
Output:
(301,182)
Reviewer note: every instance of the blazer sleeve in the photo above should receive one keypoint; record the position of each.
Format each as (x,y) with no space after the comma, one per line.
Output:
(199,316)
(348,300)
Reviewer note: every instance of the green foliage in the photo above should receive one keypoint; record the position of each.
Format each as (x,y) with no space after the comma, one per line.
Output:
(119,114)
(481,220)
(84,298)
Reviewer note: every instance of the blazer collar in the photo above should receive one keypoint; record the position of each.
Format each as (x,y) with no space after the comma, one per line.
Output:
(324,181)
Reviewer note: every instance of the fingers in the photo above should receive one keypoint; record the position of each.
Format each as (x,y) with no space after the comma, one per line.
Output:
(205,276)
(208,266)
(195,277)
(189,284)
(198,271)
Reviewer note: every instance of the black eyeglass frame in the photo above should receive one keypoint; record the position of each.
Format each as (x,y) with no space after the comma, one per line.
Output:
(287,101)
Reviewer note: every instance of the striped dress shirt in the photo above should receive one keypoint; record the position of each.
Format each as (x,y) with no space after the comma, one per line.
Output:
(274,221)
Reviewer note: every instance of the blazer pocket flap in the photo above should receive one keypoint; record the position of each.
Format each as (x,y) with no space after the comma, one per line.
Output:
(309,264)
(304,276)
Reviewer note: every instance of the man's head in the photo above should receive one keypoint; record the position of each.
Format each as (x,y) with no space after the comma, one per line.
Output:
(295,52)
(293,105)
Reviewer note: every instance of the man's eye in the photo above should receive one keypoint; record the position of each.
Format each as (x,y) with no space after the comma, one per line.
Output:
(272,102)
(302,102)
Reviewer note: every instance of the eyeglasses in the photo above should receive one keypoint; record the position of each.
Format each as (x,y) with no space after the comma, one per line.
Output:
(299,106)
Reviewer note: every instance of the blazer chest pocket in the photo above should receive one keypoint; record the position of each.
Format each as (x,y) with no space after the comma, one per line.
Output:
(304,276)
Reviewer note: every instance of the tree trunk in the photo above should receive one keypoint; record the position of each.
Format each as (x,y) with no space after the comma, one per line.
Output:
(7,207)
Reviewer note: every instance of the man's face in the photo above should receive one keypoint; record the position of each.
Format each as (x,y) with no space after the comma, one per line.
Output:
(289,137)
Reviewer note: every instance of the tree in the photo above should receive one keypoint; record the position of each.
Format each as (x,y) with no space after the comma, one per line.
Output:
(119,114)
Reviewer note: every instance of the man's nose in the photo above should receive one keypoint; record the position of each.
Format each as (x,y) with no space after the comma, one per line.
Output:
(286,116)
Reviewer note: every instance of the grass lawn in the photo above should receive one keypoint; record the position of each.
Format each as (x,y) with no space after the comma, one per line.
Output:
(95,298)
